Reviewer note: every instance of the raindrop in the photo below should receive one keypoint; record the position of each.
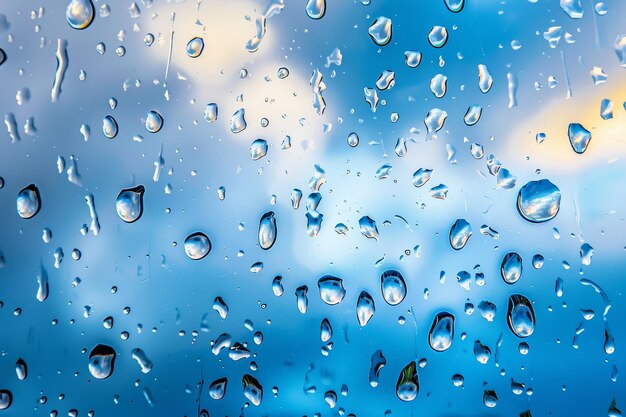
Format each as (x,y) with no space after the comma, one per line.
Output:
(195,47)
(217,389)
(539,201)
(393,287)
(79,14)
(252,390)
(511,268)
(520,316)
(101,361)
(380,31)
(109,127)
(316,9)
(129,204)
(438,36)
(154,122)
(441,332)
(460,233)
(267,230)
(579,137)
(331,289)
(197,246)
(28,202)
(408,385)
(365,308)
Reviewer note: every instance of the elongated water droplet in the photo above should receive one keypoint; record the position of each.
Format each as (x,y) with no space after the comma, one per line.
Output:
(28,202)
(579,137)
(129,204)
(217,389)
(460,232)
(267,230)
(79,14)
(302,300)
(393,287)
(210,112)
(439,85)
(441,332)
(490,399)
(252,390)
(381,31)
(386,80)
(21,370)
(485,80)
(586,252)
(520,316)
(101,361)
(326,331)
(539,201)
(195,47)
(42,284)
(408,384)
(154,122)
(62,62)
(353,139)
(435,120)
(142,360)
(109,127)
(197,246)
(316,9)
(331,289)
(511,268)
(365,308)
(620,49)
(378,362)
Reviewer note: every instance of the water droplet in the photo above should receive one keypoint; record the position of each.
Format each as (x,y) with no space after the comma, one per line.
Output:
(326,331)
(331,289)
(142,360)
(380,31)
(454,6)
(439,85)
(267,230)
(21,370)
(586,252)
(353,139)
(277,286)
(365,308)
(129,204)
(460,233)
(520,316)
(197,246)
(238,121)
(490,399)
(6,399)
(412,58)
(511,268)
(573,8)
(28,202)
(579,137)
(386,80)
(620,49)
(210,112)
(109,127)
(539,201)
(195,47)
(217,389)
(438,36)
(79,14)
(258,149)
(435,119)
(252,390)
(472,116)
(482,353)
(101,361)
(441,332)
(485,80)
(408,384)
(383,172)
(316,9)
(154,122)
(368,227)
(393,287)
(378,362)
(302,300)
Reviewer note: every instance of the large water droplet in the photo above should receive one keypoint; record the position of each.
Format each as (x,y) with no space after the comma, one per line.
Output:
(520,316)
(438,36)
(238,121)
(109,127)
(258,149)
(79,13)
(252,389)
(6,399)
(380,31)
(210,112)
(154,122)
(267,230)
(368,227)
(129,204)
(408,384)
(197,246)
(101,361)
(454,6)
(539,201)
(439,85)
(441,332)
(393,287)
(511,268)
(365,308)
(28,201)
(316,9)
(579,137)
(195,47)
(331,289)
(460,233)
(573,8)
(217,389)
